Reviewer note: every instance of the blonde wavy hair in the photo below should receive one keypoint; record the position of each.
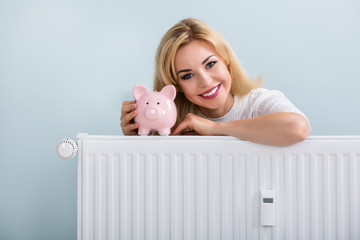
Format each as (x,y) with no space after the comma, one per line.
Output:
(182,33)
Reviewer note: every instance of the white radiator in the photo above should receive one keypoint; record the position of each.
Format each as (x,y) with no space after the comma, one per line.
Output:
(183,187)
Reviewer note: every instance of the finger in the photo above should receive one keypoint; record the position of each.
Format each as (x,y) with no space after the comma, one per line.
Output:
(128,118)
(128,102)
(186,123)
(128,133)
(183,125)
(131,129)
(133,126)
(127,107)
(191,132)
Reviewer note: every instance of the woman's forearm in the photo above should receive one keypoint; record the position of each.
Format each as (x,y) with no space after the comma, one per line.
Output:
(280,129)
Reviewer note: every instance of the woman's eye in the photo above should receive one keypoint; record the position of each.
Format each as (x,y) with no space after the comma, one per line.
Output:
(211,64)
(187,76)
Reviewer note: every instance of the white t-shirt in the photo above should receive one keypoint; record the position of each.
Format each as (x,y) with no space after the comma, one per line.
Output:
(259,101)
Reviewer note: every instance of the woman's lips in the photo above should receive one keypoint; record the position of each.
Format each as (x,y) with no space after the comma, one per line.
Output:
(211,93)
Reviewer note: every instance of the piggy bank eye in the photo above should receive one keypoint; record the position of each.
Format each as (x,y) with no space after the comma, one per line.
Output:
(158,103)
(147,103)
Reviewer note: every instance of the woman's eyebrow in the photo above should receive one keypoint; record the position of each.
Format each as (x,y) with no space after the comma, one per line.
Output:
(207,59)
(184,70)
(189,70)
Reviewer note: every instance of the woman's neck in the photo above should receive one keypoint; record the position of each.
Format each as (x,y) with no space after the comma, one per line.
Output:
(221,111)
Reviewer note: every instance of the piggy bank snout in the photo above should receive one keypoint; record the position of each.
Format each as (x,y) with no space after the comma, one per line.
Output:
(152,113)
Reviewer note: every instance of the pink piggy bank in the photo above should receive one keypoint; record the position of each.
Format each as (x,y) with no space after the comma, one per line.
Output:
(156,110)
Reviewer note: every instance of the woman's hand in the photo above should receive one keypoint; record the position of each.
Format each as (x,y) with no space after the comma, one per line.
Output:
(128,113)
(200,126)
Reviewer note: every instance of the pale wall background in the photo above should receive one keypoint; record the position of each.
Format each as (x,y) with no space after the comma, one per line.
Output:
(66,66)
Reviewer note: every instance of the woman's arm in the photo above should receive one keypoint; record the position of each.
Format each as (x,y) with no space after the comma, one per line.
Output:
(280,129)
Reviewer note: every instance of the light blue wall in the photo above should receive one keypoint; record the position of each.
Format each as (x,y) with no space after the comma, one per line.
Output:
(66,66)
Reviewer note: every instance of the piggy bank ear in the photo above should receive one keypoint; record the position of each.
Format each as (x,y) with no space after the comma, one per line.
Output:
(138,91)
(169,91)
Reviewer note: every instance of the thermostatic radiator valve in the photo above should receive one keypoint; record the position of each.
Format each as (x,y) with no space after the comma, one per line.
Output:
(67,148)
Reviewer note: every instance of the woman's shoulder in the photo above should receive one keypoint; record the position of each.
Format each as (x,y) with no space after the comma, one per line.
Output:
(262,101)
(262,93)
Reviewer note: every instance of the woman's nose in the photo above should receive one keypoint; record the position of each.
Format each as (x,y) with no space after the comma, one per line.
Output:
(204,79)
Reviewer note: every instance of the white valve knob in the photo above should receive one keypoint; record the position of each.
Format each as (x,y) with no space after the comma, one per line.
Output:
(67,148)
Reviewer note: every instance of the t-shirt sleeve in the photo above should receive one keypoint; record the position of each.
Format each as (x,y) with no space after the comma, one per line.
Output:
(264,101)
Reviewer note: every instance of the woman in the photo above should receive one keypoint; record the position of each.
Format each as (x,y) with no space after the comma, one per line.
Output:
(214,95)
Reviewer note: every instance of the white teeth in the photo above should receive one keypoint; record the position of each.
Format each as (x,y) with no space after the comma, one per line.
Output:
(210,93)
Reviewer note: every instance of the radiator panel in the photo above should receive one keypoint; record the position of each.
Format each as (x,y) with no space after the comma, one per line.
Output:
(209,188)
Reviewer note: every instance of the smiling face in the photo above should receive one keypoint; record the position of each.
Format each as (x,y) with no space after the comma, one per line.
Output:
(204,78)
